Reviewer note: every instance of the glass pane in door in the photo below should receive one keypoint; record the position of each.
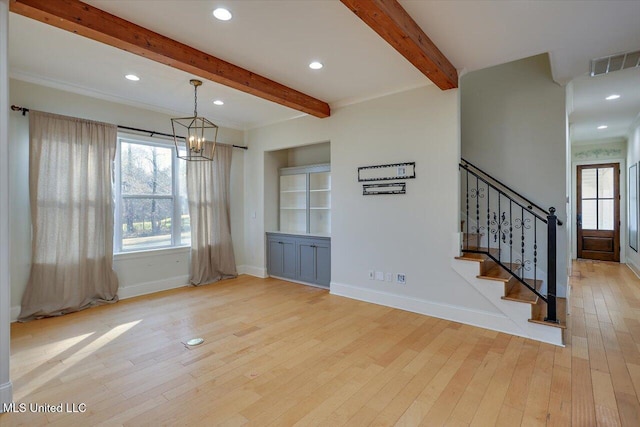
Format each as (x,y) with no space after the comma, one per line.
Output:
(598,187)
(605,183)
(605,214)
(589,215)
(589,183)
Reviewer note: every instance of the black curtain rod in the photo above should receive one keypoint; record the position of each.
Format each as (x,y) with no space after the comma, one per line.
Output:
(150,132)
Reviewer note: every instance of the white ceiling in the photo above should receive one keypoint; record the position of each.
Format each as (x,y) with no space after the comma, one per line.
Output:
(591,109)
(278,39)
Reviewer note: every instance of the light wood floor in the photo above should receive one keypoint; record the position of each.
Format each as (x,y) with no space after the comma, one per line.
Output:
(278,353)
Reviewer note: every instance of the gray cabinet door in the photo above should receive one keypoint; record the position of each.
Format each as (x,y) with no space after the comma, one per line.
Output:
(306,261)
(288,258)
(323,264)
(314,261)
(275,257)
(301,258)
(281,257)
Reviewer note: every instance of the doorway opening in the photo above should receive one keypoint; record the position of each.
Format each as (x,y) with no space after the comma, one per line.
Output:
(598,211)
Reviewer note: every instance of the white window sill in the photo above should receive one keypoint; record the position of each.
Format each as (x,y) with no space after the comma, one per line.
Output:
(151,253)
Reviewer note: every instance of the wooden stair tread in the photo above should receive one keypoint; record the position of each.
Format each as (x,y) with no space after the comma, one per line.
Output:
(500,274)
(539,312)
(514,290)
(484,261)
(471,256)
(520,293)
(495,252)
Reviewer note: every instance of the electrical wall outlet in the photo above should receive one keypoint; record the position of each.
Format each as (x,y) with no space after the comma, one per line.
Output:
(372,275)
(379,275)
(389,277)
(401,278)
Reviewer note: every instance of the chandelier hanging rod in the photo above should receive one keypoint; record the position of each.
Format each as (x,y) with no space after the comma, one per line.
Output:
(150,132)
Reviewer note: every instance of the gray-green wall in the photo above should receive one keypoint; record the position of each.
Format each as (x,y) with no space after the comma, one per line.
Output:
(513,126)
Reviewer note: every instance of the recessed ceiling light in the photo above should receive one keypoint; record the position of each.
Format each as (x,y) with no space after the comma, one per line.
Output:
(222,14)
(218,102)
(132,77)
(601,127)
(612,97)
(315,65)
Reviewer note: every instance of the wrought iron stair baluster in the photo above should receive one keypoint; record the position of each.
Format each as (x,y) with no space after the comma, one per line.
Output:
(477,213)
(500,228)
(488,217)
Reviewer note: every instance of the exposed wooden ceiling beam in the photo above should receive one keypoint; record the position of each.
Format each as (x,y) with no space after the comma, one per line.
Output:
(96,24)
(389,19)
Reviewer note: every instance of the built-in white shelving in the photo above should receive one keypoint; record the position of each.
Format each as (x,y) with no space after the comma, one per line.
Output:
(305,199)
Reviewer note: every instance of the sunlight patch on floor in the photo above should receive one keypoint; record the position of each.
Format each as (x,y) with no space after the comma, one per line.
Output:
(70,351)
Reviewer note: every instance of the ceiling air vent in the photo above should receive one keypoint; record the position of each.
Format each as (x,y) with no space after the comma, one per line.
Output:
(618,62)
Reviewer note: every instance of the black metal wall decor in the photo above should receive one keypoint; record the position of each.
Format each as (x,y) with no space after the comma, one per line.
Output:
(633,207)
(387,172)
(387,188)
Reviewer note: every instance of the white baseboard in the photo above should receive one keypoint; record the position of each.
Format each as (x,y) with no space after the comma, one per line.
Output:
(138,289)
(134,290)
(6,394)
(633,267)
(482,319)
(151,287)
(252,271)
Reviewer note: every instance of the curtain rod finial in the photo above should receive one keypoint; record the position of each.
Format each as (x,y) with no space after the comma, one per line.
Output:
(18,108)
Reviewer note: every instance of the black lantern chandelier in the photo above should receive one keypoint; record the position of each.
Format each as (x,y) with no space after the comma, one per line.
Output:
(195,137)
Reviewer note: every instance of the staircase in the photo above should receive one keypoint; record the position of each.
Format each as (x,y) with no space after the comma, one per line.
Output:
(508,254)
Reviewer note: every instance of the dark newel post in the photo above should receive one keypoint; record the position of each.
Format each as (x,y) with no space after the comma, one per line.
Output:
(551,266)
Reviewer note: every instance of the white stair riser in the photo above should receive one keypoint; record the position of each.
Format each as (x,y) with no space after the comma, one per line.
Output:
(518,312)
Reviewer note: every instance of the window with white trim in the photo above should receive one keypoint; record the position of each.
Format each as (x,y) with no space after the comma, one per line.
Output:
(151,196)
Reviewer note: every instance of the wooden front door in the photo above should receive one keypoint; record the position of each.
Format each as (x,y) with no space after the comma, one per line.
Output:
(598,219)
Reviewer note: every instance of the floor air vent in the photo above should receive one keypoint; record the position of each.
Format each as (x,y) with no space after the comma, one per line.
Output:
(618,62)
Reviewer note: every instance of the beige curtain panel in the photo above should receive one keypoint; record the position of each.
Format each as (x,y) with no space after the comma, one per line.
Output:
(208,192)
(70,185)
